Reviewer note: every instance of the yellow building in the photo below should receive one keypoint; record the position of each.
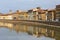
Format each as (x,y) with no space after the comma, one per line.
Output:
(23,16)
(32,14)
(14,15)
(42,15)
(6,16)
(47,15)
(51,15)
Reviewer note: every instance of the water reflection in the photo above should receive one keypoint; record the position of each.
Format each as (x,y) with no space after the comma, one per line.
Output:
(36,31)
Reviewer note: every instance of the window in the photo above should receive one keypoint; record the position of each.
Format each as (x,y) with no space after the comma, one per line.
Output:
(14,18)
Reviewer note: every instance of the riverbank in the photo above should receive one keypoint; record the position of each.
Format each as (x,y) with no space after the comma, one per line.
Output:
(34,22)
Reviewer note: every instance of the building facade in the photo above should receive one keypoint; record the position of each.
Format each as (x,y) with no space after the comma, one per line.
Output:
(14,15)
(57,12)
(42,15)
(51,15)
(33,14)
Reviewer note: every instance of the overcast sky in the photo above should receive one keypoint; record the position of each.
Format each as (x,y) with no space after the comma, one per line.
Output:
(6,5)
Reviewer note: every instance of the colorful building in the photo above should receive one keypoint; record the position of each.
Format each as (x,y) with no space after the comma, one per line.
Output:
(42,15)
(51,15)
(33,14)
(57,12)
(14,15)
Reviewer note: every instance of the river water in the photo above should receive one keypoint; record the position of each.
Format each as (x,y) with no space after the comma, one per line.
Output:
(18,31)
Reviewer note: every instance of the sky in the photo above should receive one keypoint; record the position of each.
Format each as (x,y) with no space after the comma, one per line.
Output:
(6,5)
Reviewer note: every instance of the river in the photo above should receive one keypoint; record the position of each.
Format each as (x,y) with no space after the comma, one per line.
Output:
(13,31)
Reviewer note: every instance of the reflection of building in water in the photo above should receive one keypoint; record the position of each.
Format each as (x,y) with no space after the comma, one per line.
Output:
(35,31)
(6,24)
(57,34)
(32,30)
(19,28)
